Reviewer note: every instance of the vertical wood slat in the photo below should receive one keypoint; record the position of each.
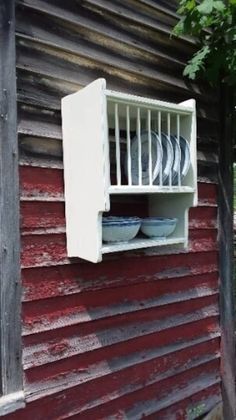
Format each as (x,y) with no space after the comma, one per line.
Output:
(10,287)
(128,145)
(225,202)
(139,147)
(160,137)
(168,135)
(149,147)
(178,141)
(117,137)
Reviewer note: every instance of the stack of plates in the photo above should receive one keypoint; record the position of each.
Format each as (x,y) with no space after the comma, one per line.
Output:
(169,157)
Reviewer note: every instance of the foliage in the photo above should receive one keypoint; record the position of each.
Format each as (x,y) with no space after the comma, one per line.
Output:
(213,24)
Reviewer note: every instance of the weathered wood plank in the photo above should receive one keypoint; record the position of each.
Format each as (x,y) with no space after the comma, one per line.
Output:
(46,347)
(147,364)
(200,402)
(226,253)
(43,180)
(64,312)
(10,288)
(216,413)
(47,248)
(108,326)
(111,401)
(162,272)
(48,214)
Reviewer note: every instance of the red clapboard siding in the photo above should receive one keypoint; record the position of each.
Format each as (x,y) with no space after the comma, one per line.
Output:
(38,215)
(43,184)
(43,316)
(138,334)
(71,370)
(50,249)
(135,371)
(107,400)
(53,313)
(43,282)
(200,402)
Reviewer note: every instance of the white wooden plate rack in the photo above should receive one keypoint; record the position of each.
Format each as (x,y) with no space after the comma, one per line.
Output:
(98,129)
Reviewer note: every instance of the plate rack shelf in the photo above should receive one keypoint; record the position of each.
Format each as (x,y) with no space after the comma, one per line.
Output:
(103,151)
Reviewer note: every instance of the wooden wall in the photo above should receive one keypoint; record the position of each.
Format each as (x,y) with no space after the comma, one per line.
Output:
(138,334)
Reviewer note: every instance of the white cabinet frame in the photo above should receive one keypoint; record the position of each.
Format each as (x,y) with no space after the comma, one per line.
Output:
(87,116)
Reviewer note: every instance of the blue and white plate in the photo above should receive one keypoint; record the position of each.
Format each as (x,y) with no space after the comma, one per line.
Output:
(156,149)
(184,160)
(167,159)
(177,158)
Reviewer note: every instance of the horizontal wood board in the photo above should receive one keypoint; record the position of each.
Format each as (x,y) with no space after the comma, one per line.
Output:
(138,334)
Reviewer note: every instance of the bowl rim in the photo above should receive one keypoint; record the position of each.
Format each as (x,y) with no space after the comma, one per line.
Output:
(161,220)
(120,221)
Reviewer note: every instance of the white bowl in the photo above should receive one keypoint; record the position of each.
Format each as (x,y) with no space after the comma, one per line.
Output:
(158,226)
(120,229)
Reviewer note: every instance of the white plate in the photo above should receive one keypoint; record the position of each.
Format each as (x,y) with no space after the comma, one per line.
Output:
(167,159)
(177,157)
(156,150)
(184,160)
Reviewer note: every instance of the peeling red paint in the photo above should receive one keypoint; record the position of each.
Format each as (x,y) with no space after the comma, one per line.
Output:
(138,334)
(58,348)
(50,249)
(44,182)
(61,280)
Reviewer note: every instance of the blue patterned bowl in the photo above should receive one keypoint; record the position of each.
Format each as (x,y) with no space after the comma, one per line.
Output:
(158,226)
(120,229)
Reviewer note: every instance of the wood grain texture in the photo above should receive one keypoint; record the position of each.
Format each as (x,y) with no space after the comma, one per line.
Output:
(138,333)
(227,282)
(10,286)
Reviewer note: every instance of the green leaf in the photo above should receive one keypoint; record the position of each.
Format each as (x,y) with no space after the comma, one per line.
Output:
(190,5)
(186,6)
(230,35)
(212,23)
(206,7)
(190,71)
(179,28)
(219,5)
(196,63)
(201,54)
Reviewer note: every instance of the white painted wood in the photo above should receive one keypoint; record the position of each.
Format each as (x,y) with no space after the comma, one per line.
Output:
(138,243)
(159,134)
(85,118)
(168,135)
(86,169)
(177,135)
(173,205)
(183,108)
(139,147)
(144,189)
(11,402)
(128,145)
(188,129)
(117,136)
(149,148)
